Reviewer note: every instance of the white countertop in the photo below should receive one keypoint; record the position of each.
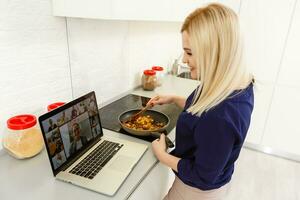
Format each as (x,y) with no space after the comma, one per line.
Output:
(171,85)
(32,178)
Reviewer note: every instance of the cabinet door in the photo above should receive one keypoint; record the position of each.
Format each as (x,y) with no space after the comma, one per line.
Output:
(282,129)
(290,70)
(154,10)
(136,9)
(95,9)
(262,99)
(180,9)
(265,26)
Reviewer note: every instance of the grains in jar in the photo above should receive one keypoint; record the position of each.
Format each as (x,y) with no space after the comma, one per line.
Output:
(22,138)
(149,80)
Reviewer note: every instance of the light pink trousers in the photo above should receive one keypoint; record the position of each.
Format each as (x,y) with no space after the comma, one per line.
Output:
(181,191)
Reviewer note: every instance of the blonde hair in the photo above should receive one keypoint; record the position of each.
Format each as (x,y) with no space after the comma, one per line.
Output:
(216,44)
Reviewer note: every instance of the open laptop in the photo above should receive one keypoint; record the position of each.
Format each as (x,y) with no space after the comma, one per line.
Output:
(78,151)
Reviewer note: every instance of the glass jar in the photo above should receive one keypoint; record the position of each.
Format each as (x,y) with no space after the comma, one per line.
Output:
(149,80)
(22,139)
(54,105)
(159,74)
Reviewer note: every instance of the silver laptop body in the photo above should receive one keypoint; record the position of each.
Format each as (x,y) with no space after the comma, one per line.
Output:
(78,151)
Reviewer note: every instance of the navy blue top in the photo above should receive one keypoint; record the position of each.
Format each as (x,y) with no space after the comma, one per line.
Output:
(210,144)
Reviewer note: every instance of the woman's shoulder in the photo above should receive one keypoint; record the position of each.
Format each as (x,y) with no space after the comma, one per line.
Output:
(242,94)
(239,103)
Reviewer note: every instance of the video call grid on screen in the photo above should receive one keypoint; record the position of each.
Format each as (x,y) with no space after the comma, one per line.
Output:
(71,129)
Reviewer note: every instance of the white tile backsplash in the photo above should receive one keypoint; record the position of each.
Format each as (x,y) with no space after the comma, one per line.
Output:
(98,53)
(113,53)
(152,43)
(34,64)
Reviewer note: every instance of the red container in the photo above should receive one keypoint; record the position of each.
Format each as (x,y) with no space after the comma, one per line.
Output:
(54,105)
(149,80)
(159,74)
(22,138)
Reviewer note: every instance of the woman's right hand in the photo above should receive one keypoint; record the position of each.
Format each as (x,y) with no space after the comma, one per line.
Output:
(160,100)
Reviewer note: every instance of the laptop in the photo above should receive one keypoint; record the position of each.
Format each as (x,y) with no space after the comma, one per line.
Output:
(78,151)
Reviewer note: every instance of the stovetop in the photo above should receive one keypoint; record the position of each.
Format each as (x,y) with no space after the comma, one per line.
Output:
(109,114)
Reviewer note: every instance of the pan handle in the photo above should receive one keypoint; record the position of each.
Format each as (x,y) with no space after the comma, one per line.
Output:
(169,143)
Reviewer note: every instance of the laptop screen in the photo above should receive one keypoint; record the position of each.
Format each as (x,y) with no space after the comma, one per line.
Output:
(69,129)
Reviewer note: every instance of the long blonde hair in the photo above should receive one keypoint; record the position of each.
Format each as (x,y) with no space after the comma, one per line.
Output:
(216,44)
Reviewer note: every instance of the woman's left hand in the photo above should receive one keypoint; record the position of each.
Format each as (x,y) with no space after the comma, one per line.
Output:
(159,146)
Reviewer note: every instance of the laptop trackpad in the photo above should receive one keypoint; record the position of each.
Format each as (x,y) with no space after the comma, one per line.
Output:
(122,163)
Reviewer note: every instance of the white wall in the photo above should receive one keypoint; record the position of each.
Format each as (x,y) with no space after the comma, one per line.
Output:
(34,69)
(109,56)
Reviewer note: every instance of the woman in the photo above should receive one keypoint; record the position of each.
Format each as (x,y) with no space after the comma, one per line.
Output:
(213,125)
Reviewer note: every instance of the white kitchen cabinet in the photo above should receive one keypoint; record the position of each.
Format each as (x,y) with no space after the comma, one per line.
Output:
(265,27)
(282,128)
(160,179)
(155,10)
(290,70)
(179,9)
(262,99)
(95,9)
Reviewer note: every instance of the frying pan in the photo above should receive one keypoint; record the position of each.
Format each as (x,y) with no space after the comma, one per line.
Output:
(157,116)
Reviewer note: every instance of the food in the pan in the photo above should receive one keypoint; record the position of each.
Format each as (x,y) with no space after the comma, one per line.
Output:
(144,123)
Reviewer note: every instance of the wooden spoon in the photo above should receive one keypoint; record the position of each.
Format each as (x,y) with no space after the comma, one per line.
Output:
(135,116)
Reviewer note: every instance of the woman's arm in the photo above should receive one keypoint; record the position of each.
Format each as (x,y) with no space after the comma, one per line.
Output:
(179,101)
(167,99)
(169,160)
(159,149)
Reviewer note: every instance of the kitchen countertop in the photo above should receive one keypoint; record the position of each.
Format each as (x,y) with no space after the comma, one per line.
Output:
(33,179)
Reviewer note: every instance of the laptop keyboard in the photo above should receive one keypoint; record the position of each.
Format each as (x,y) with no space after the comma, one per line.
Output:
(96,160)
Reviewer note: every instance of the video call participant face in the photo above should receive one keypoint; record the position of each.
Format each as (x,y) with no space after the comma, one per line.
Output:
(76,131)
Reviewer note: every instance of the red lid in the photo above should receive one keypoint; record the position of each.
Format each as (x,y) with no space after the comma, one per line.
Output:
(157,68)
(21,122)
(149,72)
(55,105)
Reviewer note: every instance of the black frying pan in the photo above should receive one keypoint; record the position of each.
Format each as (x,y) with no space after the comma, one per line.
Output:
(157,116)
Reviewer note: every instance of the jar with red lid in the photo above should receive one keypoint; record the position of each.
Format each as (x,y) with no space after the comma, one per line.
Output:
(159,74)
(149,80)
(22,139)
(54,105)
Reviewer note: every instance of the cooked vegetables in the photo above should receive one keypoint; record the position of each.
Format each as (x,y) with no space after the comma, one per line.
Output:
(144,123)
